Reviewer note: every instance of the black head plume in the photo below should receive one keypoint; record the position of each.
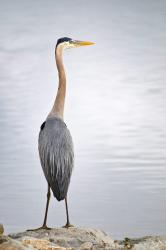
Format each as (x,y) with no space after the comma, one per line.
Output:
(62,40)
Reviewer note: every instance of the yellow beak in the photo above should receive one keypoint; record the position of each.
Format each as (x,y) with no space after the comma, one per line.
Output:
(83,43)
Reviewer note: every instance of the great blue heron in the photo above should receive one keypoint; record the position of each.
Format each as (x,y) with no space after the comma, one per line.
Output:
(55,142)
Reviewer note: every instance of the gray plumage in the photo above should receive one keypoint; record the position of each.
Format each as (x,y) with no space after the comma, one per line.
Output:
(56,155)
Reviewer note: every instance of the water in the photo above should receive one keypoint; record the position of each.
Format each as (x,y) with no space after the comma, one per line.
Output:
(115,110)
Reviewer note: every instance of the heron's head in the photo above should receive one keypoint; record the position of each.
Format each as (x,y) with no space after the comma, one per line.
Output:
(67,43)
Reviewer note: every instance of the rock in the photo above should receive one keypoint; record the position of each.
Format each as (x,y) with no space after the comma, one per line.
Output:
(151,243)
(41,244)
(86,246)
(145,243)
(1,229)
(76,239)
(70,239)
(7,243)
(36,243)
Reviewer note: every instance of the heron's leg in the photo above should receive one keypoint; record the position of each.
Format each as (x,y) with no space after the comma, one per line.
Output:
(47,205)
(67,215)
(44,226)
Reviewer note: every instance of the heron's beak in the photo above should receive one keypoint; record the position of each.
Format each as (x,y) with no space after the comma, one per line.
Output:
(82,43)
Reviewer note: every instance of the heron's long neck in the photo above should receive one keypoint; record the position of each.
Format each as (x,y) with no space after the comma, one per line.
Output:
(58,107)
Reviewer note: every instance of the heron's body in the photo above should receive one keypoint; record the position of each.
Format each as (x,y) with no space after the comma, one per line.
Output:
(56,155)
(55,142)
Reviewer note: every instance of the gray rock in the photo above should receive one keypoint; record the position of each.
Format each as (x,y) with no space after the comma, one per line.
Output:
(144,243)
(71,238)
(151,243)
(86,246)
(77,239)
(7,243)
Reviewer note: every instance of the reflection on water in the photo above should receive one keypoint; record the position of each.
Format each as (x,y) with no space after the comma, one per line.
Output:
(115,109)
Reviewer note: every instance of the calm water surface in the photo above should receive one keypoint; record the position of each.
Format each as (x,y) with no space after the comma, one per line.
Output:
(115,110)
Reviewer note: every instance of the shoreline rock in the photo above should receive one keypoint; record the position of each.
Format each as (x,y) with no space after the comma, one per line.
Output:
(76,239)
(72,238)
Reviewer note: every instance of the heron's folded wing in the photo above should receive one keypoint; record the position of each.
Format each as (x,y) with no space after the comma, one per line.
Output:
(56,155)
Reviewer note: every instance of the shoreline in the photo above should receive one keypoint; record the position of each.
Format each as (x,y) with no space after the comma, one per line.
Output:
(76,238)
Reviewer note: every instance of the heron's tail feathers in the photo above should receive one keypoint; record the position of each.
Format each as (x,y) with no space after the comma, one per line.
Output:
(58,192)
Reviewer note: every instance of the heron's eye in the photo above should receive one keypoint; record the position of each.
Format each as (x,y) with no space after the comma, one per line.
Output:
(68,45)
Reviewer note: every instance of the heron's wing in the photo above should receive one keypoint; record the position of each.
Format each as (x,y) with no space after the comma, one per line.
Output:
(56,155)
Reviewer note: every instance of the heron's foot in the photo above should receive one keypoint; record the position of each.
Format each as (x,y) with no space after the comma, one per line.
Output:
(39,228)
(68,225)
